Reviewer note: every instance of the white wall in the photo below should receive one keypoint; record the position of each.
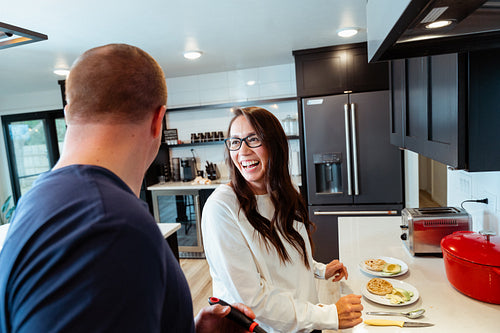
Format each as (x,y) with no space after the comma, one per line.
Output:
(271,82)
(225,87)
(464,185)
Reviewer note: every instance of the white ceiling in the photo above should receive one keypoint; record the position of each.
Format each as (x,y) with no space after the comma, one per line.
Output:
(233,34)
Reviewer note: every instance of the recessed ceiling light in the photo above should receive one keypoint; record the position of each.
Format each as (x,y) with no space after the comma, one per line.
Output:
(61,71)
(250,83)
(438,24)
(192,55)
(347,32)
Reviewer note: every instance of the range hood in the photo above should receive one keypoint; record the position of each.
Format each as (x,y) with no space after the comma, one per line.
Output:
(398,29)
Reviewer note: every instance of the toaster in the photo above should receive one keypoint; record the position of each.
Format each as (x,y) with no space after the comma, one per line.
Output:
(423,228)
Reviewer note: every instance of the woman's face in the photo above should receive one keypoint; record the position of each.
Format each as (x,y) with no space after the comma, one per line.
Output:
(251,162)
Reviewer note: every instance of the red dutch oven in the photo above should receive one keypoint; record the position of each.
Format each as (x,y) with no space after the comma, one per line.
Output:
(472,263)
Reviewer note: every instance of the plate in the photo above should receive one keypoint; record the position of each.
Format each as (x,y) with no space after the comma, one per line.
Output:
(396,284)
(404,267)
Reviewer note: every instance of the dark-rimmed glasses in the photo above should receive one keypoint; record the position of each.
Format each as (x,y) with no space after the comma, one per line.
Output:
(252,141)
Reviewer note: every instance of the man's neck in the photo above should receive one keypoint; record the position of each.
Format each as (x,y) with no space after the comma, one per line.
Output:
(113,147)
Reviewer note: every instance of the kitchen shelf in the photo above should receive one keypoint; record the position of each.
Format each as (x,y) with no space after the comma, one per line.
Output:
(208,143)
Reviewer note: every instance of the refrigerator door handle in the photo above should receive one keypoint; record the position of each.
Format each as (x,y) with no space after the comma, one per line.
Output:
(354,149)
(348,149)
(355,213)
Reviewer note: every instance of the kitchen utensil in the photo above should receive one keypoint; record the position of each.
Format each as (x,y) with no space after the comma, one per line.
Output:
(396,284)
(385,322)
(389,260)
(472,263)
(412,314)
(238,317)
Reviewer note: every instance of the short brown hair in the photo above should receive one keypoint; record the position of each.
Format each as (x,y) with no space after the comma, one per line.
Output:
(119,82)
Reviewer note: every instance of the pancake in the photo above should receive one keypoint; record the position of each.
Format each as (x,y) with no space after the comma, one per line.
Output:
(375,264)
(379,286)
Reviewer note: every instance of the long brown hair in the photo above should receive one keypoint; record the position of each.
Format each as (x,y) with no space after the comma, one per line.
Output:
(289,204)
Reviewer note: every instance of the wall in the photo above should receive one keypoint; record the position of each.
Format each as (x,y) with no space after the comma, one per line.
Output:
(226,87)
(270,82)
(464,185)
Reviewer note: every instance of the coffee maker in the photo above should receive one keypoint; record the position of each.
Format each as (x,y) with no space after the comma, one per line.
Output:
(188,169)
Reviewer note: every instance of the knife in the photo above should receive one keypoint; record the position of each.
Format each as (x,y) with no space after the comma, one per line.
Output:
(385,322)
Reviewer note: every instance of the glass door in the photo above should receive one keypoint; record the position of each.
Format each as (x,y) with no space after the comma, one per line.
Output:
(33,142)
(181,206)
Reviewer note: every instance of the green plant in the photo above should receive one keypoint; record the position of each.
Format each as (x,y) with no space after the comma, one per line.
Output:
(7,210)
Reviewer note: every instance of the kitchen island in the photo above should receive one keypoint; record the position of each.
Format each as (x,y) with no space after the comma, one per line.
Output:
(449,310)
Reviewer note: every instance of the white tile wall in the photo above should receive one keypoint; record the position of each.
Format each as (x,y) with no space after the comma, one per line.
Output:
(271,82)
(464,185)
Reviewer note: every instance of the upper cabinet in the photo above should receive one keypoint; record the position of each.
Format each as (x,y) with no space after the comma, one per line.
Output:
(445,107)
(336,69)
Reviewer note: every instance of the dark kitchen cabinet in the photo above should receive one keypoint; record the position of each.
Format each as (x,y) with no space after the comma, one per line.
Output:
(336,69)
(445,107)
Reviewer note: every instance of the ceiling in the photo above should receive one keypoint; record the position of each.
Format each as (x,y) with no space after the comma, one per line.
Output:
(232,34)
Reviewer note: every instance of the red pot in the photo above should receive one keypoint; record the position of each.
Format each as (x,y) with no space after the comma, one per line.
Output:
(472,263)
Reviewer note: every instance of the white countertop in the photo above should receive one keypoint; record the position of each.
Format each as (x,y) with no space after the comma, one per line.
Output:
(186,185)
(168,229)
(448,309)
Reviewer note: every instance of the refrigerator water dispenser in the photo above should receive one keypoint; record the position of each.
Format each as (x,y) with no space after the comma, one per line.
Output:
(328,172)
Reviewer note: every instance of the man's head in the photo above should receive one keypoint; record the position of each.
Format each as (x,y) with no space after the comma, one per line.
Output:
(115,83)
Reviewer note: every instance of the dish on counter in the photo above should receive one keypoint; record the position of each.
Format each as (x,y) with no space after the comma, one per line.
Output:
(389,260)
(381,299)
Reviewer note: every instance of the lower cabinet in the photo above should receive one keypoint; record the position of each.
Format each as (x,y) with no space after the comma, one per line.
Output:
(445,108)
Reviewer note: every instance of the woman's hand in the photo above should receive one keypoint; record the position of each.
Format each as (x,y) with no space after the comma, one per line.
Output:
(349,311)
(211,319)
(336,269)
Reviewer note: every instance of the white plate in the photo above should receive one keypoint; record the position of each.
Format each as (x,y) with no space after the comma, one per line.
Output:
(389,260)
(396,284)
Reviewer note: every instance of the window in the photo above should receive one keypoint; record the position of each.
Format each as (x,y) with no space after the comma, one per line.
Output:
(33,142)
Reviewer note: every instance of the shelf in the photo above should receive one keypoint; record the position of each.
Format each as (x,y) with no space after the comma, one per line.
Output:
(232,104)
(209,143)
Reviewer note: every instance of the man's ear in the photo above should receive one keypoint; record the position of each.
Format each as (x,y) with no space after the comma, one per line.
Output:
(157,121)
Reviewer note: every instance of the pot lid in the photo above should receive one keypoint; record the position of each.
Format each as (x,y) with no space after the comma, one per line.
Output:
(480,248)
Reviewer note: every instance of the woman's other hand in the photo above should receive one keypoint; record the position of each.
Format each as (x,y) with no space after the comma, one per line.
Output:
(211,319)
(349,311)
(336,269)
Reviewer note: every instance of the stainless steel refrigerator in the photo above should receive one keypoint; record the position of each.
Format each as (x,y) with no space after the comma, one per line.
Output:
(351,167)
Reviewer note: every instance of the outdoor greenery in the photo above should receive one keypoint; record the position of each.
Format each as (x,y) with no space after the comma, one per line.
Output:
(7,210)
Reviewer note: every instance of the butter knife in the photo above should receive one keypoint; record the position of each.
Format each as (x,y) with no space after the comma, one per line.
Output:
(385,322)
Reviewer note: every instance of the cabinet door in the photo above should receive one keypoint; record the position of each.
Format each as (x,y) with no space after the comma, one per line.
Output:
(397,101)
(415,130)
(443,111)
(321,73)
(364,76)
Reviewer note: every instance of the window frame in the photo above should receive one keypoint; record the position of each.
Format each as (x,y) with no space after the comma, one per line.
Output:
(49,120)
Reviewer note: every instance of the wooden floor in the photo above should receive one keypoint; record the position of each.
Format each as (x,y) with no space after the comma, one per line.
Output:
(199,280)
(425,200)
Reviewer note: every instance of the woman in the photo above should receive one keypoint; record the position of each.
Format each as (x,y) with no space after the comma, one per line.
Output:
(256,234)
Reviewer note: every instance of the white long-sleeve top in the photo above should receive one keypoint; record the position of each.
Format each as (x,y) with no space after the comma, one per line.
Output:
(283,296)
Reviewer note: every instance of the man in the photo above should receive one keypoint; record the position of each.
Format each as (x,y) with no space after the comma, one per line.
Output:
(83,253)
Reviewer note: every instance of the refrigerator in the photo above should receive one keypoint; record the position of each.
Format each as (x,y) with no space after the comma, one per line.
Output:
(351,168)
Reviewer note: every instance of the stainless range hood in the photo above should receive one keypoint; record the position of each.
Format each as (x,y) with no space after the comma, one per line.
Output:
(399,29)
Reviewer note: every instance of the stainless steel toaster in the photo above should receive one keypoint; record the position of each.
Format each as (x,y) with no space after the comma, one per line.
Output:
(423,228)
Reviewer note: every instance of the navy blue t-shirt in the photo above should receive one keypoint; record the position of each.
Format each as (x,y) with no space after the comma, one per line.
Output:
(83,254)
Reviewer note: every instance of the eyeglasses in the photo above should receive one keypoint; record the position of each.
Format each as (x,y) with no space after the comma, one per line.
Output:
(252,141)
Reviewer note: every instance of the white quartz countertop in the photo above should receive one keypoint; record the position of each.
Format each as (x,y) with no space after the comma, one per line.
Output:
(186,185)
(449,310)
(168,229)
